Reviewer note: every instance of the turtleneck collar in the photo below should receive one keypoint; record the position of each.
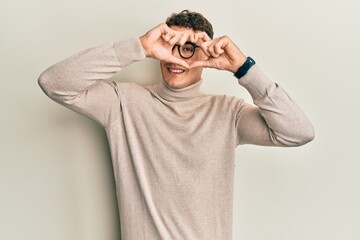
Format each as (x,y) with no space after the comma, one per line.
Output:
(174,95)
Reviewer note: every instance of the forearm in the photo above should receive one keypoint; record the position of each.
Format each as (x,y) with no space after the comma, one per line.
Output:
(67,80)
(286,122)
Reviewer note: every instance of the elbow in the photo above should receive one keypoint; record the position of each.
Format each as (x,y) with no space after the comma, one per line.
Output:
(44,81)
(306,136)
(298,138)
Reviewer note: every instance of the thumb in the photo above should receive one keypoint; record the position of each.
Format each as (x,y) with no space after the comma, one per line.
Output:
(199,64)
(179,62)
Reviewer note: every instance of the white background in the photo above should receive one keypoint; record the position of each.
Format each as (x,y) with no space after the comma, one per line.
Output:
(56,179)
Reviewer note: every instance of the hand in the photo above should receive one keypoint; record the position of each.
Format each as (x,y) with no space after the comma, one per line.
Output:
(222,54)
(159,41)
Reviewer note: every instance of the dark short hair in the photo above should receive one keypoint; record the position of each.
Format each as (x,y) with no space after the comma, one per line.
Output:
(193,20)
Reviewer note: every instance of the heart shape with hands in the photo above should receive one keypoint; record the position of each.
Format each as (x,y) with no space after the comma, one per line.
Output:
(220,53)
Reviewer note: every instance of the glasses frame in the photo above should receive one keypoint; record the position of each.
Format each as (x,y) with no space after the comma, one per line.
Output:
(191,43)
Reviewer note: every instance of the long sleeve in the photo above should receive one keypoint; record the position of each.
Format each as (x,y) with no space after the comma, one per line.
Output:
(77,82)
(275,120)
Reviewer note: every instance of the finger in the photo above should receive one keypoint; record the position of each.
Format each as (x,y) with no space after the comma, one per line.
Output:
(192,38)
(174,39)
(218,47)
(202,36)
(199,64)
(164,28)
(167,36)
(184,38)
(204,47)
(211,49)
(178,61)
(167,33)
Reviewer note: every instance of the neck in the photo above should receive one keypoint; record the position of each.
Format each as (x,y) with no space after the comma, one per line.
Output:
(181,94)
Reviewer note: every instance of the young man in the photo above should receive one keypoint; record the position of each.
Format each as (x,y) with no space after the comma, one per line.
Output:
(173,146)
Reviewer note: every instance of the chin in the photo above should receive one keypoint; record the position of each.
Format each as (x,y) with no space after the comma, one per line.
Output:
(175,83)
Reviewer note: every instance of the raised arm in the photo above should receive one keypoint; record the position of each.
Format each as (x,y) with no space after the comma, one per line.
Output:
(275,119)
(77,81)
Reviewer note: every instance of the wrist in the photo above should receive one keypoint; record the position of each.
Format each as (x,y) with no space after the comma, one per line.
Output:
(237,65)
(242,70)
(142,41)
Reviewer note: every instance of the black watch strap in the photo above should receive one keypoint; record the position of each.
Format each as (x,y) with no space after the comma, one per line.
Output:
(244,68)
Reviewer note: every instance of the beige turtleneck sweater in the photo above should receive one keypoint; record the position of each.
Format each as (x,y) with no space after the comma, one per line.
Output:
(173,151)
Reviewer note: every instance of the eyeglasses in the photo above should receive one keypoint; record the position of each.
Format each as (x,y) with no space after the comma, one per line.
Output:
(187,50)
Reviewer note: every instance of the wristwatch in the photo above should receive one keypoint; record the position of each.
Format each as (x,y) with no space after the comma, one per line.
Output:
(244,68)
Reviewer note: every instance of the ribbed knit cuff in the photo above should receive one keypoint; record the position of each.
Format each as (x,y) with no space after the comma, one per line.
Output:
(255,81)
(129,51)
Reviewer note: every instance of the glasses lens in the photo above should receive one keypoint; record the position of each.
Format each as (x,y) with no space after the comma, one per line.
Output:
(187,50)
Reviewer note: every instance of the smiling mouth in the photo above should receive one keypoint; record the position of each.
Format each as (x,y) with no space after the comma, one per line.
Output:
(175,70)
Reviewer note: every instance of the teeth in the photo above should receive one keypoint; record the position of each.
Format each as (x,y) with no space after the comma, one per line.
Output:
(176,70)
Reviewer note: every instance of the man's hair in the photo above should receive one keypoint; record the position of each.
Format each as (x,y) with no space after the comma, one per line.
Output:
(193,20)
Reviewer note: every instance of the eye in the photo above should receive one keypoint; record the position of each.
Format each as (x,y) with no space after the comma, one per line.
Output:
(188,49)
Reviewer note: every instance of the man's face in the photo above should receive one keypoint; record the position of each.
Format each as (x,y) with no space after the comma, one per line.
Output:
(177,76)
